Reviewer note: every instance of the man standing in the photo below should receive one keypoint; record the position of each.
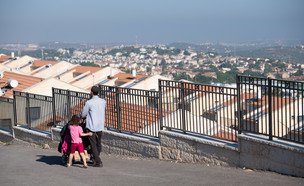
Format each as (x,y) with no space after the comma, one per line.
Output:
(94,111)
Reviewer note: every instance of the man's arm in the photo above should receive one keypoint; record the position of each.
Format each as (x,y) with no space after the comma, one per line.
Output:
(85,111)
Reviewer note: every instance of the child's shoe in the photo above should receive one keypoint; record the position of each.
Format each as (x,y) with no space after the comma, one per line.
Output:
(68,165)
(85,166)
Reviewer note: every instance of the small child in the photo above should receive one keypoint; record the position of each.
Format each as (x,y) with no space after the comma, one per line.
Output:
(76,141)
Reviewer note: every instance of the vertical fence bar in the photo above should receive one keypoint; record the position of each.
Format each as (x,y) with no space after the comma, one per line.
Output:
(270,108)
(160,107)
(15,113)
(68,104)
(27,102)
(183,107)
(118,109)
(15,109)
(53,107)
(238,103)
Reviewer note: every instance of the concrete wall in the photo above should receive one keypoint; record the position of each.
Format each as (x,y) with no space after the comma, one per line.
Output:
(130,145)
(257,152)
(35,137)
(197,149)
(251,151)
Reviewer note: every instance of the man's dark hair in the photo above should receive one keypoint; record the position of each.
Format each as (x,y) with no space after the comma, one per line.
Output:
(95,90)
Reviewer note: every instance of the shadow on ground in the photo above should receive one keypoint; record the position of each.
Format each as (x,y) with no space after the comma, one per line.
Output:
(50,160)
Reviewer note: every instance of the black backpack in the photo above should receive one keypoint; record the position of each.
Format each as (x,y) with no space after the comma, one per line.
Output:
(65,130)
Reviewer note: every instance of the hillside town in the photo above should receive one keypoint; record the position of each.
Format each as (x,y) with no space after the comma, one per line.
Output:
(138,67)
(186,64)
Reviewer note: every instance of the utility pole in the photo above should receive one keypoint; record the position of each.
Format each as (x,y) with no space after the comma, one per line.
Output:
(41,53)
(19,51)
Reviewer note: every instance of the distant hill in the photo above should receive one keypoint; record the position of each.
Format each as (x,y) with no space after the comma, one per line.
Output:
(289,54)
(222,48)
(293,55)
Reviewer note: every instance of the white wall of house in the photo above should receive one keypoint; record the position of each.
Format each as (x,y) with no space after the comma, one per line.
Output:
(20,62)
(45,87)
(95,77)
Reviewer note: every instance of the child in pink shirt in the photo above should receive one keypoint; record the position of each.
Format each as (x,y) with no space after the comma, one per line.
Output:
(76,141)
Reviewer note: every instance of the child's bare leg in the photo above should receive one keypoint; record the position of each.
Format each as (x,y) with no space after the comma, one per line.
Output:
(83,159)
(70,159)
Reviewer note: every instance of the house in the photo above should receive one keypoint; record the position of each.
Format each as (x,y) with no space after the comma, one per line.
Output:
(26,83)
(54,70)
(19,62)
(20,83)
(287,115)
(4,58)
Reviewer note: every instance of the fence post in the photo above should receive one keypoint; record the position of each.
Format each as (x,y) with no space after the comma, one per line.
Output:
(270,107)
(183,107)
(53,106)
(27,102)
(239,117)
(15,113)
(118,109)
(68,104)
(160,104)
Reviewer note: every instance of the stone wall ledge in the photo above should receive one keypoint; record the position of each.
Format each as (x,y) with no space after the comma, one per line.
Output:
(282,144)
(201,139)
(132,137)
(6,136)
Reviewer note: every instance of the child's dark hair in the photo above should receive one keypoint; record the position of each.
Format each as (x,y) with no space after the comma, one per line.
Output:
(75,120)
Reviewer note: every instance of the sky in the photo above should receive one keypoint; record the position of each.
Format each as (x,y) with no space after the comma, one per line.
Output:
(150,22)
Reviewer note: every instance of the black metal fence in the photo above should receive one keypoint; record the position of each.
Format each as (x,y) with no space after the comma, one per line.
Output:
(6,114)
(33,111)
(271,107)
(198,108)
(131,110)
(66,103)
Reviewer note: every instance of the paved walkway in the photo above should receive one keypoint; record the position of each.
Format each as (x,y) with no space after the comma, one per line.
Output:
(26,165)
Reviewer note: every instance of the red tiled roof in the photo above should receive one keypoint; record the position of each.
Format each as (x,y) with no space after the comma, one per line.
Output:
(83,69)
(24,82)
(132,115)
(228,135)
(4,58)
(39,63)
(126,77)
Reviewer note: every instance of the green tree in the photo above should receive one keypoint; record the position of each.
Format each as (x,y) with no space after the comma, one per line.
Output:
(299,72)
(182,76)
(186,53)
(89,64)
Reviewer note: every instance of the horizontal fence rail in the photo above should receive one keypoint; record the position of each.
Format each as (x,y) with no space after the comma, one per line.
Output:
(197,108)
(7,118)
(131,110)
(33,111)
(271,107)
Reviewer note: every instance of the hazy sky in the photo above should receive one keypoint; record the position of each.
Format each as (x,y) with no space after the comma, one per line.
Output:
(150,21)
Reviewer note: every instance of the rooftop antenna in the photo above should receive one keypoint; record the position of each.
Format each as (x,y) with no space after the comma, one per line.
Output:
(19,50)
(41,53)
(93,79)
